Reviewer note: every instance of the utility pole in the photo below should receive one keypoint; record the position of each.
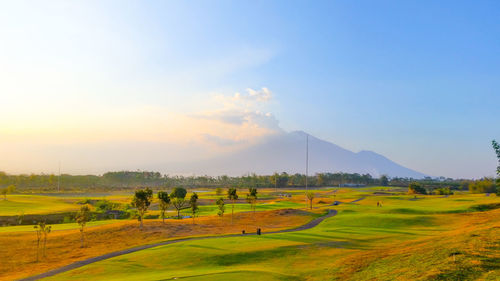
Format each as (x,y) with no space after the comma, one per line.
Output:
(307,158)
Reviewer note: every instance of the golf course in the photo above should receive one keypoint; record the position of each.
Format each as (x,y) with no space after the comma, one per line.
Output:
(370,233)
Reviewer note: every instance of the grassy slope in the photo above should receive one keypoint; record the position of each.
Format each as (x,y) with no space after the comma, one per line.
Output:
(33,204)
(405,239)
(17,249)
(62,226)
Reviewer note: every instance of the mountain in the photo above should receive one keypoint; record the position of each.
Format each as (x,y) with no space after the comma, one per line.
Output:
(287,152)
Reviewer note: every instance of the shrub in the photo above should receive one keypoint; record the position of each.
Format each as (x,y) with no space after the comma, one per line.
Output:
(415,188)
(105,205)
(482,186)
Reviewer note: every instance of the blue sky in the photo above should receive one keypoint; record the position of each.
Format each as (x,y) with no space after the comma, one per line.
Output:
(416,81)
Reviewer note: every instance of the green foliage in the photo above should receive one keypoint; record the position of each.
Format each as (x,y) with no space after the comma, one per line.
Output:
(442,191)
(310,196)
(42,230)
(178,192)
(252,198)
(232,194)
(7,190)
(105,205)
(218,191)
(164,203)
(496,147)
(82,218)
(482,186)
(193,203)
(142,199)
(221,206)
(280,180)
(178,199)
(384,180)
(416,188)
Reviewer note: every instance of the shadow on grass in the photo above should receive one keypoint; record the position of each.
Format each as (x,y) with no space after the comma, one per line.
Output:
(240,275)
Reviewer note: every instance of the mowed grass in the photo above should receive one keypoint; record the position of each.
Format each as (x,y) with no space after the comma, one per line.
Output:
(404,239)
(54,227)
(34,204)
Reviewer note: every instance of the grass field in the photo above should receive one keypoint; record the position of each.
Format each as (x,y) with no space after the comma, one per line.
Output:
(34,204)
(408,238)
(54,227)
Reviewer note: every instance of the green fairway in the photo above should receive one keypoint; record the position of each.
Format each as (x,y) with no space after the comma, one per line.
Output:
(34,204)
(360,226)
(61,226)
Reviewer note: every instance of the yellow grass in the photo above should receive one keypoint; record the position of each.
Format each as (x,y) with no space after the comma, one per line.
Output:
(18,250)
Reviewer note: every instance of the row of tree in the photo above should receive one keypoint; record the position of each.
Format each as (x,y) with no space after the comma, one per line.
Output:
(177,198)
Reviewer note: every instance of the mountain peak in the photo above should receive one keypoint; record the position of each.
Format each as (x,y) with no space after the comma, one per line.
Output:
(286,153)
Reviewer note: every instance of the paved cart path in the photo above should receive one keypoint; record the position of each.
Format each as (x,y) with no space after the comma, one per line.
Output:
(81,263)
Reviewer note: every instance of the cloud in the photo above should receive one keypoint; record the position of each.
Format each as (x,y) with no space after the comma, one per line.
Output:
(245,111)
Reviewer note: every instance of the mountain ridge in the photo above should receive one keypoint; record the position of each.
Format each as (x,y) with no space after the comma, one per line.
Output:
(286,152)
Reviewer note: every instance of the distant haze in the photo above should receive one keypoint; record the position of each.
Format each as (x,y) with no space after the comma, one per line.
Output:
(216,86)
(287,153)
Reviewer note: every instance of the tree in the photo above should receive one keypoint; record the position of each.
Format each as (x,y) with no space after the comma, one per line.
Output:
(193,203)
(415,188)
(310,196)
(42,230)
(496,147)
(3,191)
(482,186)
(164,203)
(142,199)
(39,237)
(275,180)
(221,205)
(252,198)
(218,191)
(178,199)
(7,190)
(82,217)
(321,179)
(384,180)
(231,195)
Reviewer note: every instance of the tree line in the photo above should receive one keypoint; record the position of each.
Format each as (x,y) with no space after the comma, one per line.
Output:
(155,180)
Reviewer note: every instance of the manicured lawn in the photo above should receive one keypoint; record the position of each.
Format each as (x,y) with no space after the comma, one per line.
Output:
(62,226)
(34,204)
(311,254)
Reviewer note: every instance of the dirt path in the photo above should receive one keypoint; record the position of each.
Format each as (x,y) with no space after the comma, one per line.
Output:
(78,264)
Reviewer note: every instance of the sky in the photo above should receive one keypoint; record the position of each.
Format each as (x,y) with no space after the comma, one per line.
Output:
(99,85)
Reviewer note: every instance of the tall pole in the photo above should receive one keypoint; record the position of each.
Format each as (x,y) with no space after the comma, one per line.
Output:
(307,158)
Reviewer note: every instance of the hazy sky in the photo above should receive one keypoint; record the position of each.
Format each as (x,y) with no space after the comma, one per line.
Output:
(107,84)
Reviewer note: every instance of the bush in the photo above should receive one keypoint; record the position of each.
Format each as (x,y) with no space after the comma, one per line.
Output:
(67,219)
(415,188)
(482,186)
(442,191)
(105,205)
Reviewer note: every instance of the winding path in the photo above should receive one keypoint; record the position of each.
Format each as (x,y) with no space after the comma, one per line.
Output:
(81,263)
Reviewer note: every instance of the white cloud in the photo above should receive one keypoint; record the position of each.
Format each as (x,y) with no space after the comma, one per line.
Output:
(246,112)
